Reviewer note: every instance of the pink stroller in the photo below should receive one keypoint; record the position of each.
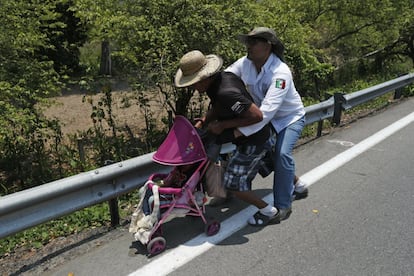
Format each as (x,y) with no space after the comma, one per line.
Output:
(177,194)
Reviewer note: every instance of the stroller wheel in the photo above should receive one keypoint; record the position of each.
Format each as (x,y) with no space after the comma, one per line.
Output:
(212,227)
(156,246)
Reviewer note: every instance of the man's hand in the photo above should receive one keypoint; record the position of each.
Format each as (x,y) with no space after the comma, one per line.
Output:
(237,133)
(199,124)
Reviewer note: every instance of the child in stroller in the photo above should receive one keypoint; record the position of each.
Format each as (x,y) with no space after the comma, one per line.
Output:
(176,194)
(175,179)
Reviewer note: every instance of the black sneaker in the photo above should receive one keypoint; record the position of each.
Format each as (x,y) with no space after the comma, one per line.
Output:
(281,214)
(302,195)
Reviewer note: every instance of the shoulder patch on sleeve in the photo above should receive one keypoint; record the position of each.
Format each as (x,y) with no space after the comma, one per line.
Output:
(237,107)
(280,83)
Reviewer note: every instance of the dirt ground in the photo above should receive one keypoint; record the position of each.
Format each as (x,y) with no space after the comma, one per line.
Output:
(73,110)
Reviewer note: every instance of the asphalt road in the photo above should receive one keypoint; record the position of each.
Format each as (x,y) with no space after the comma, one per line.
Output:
(358,219)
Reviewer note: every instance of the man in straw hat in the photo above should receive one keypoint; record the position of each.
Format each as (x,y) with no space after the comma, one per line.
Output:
(231,107)
(269,81)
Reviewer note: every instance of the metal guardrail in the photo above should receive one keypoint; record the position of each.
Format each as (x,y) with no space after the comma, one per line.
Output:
(332,107)
(319,112)
(373,92)
(30,207)
(25,209)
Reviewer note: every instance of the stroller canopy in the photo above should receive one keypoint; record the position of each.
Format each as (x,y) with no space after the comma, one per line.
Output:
(183,145)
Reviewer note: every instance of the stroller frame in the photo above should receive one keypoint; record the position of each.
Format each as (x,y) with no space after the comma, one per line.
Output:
(183,146)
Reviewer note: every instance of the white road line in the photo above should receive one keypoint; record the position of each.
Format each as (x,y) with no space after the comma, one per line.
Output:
(346,156)
(175,258)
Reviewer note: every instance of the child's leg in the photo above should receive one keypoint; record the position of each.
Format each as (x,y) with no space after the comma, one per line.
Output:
(146,204)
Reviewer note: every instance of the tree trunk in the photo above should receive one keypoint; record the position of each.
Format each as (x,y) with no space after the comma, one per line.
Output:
(105,68)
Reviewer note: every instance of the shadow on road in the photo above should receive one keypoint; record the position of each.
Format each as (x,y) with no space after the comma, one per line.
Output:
(180,230)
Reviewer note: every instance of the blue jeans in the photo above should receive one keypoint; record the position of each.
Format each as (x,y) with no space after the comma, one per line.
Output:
(284,165)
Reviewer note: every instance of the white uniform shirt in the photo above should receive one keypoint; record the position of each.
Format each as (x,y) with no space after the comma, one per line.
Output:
(272,90)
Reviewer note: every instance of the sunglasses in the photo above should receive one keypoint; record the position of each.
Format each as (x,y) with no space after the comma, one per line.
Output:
(254,40)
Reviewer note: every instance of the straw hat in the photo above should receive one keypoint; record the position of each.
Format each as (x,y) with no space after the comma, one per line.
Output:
(195,66)
(267,34)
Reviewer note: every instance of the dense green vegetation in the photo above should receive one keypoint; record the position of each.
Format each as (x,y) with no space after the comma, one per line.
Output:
(47,45)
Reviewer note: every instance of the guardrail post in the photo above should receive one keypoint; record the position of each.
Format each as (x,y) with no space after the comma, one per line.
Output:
(113,204)
(114,211)
(320,127)
(320,123)
(398,93)
(339,100)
